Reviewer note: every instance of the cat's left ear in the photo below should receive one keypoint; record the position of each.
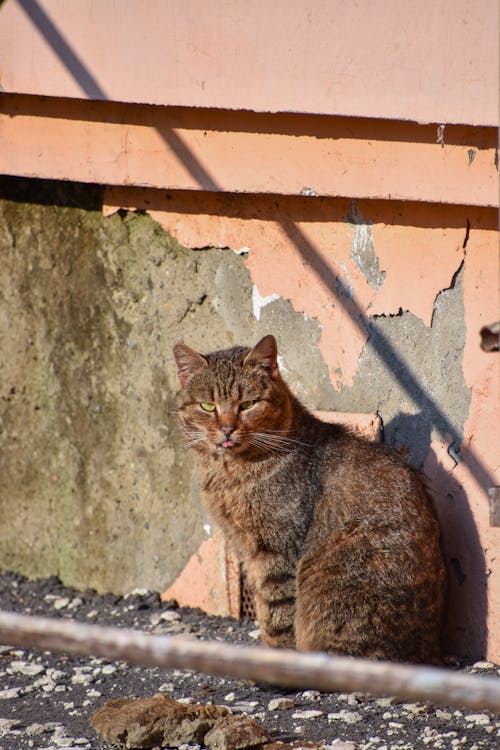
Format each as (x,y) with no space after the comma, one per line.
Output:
(188,362)
(265,354)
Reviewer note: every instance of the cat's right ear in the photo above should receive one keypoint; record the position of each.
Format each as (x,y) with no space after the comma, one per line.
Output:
(265,354)
(188,362)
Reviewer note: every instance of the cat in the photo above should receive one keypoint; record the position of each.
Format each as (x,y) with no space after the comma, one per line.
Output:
(337,536)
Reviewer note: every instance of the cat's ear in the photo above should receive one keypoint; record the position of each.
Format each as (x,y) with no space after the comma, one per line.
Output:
(265,354)
(188,362)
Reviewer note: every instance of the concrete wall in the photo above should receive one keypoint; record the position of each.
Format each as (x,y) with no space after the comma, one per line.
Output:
(96,484)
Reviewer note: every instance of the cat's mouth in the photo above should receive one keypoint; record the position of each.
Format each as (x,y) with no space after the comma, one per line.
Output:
(227,444)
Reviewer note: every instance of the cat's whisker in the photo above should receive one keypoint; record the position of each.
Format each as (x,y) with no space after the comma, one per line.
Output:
(194,437)
(267,445)
(282,440)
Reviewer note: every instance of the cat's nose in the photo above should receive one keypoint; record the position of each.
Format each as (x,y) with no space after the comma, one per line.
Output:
(227,429)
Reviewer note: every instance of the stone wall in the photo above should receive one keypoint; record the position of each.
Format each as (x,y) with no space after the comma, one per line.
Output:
(96,485)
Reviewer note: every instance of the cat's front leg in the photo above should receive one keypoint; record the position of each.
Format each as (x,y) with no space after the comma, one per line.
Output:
(274,595)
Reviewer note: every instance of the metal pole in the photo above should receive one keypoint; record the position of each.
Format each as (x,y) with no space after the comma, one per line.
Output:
(283,667)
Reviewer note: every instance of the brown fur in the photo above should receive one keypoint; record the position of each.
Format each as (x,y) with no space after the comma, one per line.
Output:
(337,536)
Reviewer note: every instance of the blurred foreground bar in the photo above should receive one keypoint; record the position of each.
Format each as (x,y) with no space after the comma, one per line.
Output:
(283,667)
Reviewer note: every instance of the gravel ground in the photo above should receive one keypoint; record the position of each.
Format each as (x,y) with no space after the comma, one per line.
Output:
(46,699)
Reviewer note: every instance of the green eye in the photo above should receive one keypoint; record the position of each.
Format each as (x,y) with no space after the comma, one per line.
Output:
(207,406)
(246,405)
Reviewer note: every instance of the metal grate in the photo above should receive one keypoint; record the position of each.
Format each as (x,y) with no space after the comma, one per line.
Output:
(247,607)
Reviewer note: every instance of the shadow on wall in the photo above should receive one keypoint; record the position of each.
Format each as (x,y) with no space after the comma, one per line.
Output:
(460,531)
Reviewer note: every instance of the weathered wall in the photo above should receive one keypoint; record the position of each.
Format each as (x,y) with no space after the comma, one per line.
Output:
(96,486)
(400,291)
(376,305)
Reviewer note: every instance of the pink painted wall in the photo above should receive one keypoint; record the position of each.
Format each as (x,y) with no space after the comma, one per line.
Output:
(436,62)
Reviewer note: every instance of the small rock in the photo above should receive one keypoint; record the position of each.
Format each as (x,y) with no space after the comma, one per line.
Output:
(349,717)
(157,721)
(484,665)
(341,745)
(230,697)
(255,634)
(108,669)
(6,725)
(34,730)
(10,693)
(310,714)
(61,602)
(236,733)
(416,708)
(385,701)
(479,719)
(170,616)
(310,695)
(29,669)
(299,745)
(444,715)
(280,704)
(247,707)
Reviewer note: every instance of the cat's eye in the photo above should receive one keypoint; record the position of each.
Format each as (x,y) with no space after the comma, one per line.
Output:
(246,405)
(207,406)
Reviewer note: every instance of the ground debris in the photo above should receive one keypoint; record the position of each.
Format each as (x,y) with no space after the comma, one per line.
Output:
(158,721)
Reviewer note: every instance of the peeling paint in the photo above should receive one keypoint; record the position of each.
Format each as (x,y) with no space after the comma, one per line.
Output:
(423,394)
(363,248)
(258,301)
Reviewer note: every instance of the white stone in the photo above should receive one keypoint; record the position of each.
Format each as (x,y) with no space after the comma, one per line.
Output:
(61,602)
(308,714)
(385,701)
(311,695)
(166,687)
(6,725)
(244,707)
(10,693)
(35,730)
(170,616)
(477,719)
(445,715)
(230,697)
(27,668)
(55,674)
(280,704)
(484,665)
(349,717)
(341,745)
(108,669)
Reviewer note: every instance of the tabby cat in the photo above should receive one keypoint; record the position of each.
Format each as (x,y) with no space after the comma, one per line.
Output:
(337,536)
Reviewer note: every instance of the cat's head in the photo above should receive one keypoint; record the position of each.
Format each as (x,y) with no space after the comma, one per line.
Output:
(234,402)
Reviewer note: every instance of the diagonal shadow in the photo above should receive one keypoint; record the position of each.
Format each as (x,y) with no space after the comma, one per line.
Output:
(64,51)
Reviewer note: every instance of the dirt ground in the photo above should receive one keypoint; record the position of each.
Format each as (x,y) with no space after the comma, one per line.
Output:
(46,699)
